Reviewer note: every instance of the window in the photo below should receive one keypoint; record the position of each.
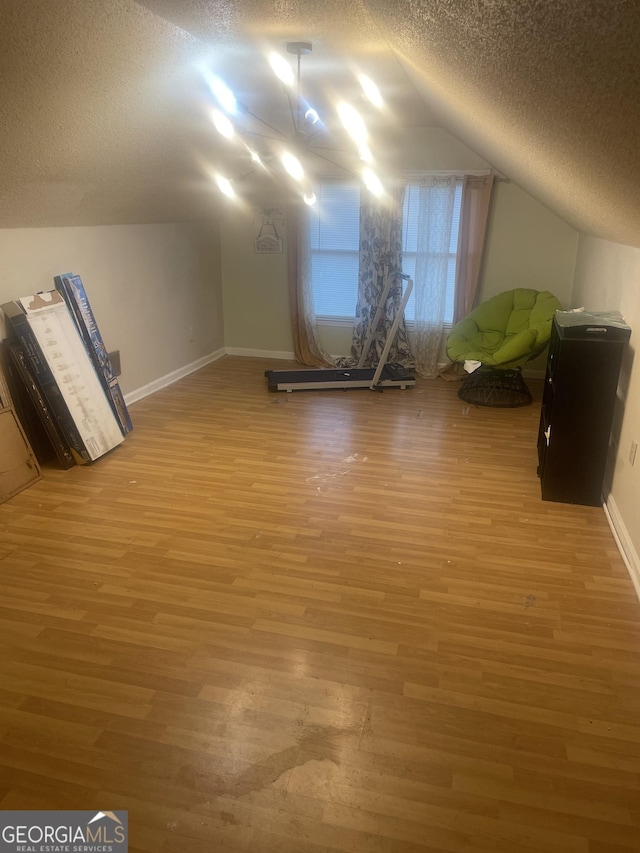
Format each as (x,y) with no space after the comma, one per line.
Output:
(334,240)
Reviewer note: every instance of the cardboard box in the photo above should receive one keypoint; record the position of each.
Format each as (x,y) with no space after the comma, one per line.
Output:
(18,466)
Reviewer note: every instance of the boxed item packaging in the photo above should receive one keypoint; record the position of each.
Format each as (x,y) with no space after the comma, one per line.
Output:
(60,365)
(75,296)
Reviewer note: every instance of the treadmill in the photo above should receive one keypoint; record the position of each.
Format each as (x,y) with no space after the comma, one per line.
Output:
(375,378)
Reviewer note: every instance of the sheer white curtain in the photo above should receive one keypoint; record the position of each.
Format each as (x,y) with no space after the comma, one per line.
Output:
(306,344)
(435,215)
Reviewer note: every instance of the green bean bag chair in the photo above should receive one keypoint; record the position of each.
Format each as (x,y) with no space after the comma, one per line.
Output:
(505,331)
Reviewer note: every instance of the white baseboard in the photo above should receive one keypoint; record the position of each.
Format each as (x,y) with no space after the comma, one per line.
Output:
(260,353)
(170,378)
(623,541)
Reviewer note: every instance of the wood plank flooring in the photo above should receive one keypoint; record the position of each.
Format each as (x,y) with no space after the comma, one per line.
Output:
(320,621)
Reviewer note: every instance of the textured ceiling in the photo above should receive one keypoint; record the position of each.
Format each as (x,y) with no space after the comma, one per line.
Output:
(102,106)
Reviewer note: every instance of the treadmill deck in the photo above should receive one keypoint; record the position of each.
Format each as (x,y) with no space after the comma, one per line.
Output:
(321,378)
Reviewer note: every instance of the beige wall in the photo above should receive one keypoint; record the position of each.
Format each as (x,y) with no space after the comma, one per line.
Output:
(419,148)
(608,278)
(149,286)
(527,246)
(255,296)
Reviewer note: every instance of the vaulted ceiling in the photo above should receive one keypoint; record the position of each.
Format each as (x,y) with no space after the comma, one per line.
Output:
(103,113)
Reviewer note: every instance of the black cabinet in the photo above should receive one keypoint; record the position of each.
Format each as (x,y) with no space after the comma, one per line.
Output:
(585,353)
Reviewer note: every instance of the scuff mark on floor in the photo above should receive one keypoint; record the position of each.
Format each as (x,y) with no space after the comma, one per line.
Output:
(354,458)
(315,743)
(228,818)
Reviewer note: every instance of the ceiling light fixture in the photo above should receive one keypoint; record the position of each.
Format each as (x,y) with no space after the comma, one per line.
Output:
(371,91)
(222,124)
(224,185)
(372,182)
(295,150)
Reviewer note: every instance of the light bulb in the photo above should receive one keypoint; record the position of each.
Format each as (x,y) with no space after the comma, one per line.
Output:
(311,116)
(222,124)
(281,68)
(292,165)
(371,91)
(223,95)
(224,185)
(352,122)
(255,157)
(309,198)
(365,154)
(372,181)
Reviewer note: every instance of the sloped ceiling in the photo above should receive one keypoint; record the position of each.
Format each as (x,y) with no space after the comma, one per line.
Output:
(103,111)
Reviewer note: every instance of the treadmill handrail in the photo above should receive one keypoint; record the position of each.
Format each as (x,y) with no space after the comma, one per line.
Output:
(373,325)
(392,332)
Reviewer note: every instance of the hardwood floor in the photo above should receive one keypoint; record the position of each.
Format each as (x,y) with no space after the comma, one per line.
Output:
(320,621)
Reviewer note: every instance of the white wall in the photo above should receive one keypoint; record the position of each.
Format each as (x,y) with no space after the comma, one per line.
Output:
(608,278)
(148,285)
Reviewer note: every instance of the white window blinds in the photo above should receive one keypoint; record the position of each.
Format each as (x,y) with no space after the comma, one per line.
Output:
(335,230)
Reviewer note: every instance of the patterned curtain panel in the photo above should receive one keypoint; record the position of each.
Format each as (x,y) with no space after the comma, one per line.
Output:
(380,259)
(435,215)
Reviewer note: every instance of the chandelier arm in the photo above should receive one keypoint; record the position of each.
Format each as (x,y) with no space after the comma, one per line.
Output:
(293,115)
(266,123)
(263,135)
(242,175)
(324,148)
(318,134)
(333,162)
(299,121)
